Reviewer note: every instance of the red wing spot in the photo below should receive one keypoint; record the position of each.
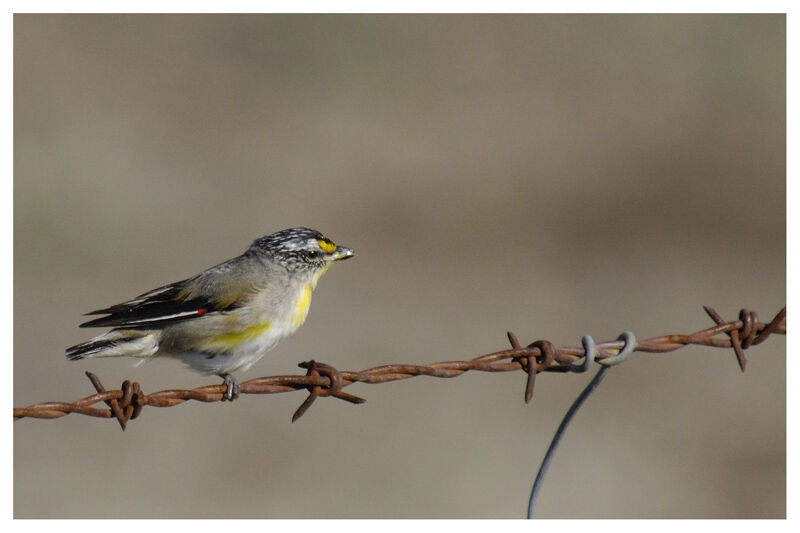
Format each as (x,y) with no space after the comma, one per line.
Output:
(202,311)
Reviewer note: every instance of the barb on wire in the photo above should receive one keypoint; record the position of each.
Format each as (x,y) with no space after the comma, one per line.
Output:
(325,380)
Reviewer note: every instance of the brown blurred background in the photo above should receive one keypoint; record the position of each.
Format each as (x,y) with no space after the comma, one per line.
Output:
(551,175)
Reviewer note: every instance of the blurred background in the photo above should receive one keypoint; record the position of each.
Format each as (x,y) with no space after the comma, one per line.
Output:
(550,175)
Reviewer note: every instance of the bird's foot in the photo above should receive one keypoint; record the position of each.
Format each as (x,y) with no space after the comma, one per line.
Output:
(232,388)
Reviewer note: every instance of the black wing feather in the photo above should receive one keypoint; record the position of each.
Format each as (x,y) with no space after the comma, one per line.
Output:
(163,307)
(219,288)
(166,293)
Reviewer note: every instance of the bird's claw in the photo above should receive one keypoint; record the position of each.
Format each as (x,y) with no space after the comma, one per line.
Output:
(232,388)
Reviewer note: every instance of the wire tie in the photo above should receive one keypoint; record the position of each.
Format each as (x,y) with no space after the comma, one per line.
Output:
(627,349)
(589,347)
(590,351)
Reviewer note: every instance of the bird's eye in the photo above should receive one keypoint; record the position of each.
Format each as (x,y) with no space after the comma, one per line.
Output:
(314,254)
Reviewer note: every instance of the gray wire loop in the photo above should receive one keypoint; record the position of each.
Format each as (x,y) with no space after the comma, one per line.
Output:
(590,349)
(630,346)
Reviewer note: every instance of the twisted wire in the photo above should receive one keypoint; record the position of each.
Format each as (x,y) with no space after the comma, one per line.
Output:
(323,380)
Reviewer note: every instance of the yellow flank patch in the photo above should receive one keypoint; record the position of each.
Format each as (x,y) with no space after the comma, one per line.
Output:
(301,309)
(328,246)
(232,340)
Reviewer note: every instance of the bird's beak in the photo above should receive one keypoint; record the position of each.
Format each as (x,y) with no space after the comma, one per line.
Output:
(341,253)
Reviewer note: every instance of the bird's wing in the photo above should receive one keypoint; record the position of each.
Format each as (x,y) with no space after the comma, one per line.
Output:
(220,288)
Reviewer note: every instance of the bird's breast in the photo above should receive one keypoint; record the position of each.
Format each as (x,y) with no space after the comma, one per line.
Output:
(301,306)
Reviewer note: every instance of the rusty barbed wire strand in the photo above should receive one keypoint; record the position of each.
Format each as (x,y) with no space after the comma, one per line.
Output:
(323,380)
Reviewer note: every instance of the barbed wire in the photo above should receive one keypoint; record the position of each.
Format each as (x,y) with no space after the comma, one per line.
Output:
(323,380)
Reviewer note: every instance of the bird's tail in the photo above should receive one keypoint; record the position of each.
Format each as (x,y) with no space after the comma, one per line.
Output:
(116,343)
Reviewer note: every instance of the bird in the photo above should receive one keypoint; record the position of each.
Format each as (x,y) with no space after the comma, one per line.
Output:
(225,318)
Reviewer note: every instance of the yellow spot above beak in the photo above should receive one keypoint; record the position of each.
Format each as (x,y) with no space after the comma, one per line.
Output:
(327,246)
